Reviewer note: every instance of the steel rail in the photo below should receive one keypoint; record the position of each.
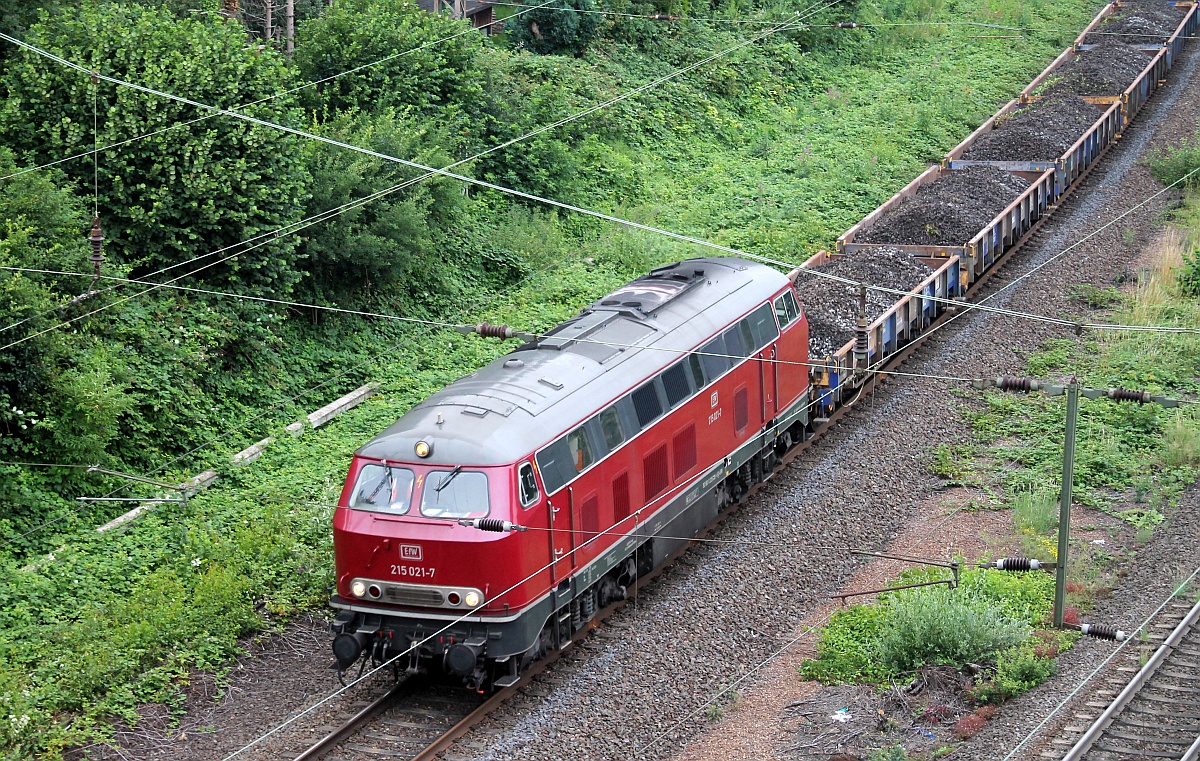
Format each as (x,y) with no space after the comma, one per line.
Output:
(1143,676)
(335,737)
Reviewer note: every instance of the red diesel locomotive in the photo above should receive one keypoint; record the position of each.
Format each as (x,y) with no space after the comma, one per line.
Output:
(490,523)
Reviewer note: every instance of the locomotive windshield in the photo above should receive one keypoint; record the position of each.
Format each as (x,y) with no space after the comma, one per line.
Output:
(455,494)
(384,489)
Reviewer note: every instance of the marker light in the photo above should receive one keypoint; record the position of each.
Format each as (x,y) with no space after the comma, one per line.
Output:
(471,599)
(423,449)
(358,588)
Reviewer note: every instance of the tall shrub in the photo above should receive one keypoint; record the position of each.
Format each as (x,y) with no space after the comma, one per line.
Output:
(188,190)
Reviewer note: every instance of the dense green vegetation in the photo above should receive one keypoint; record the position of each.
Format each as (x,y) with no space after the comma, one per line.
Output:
(775,148)
(989,618)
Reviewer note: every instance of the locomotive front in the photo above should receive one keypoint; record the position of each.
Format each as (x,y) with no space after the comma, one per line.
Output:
(419,576)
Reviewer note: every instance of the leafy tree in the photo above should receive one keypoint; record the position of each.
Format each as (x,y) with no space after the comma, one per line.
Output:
(355,33)
(185,191)
(17,15)
(388,247)
(60,392)
(565,27)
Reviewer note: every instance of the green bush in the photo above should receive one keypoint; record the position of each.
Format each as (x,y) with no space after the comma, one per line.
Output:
(1189,274)
(1018,669)
(564,27)
(183,192)
(936,625)
(392,35)
(846,652)
(1175,164)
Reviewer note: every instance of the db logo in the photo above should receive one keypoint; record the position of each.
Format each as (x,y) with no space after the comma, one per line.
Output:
(410,552)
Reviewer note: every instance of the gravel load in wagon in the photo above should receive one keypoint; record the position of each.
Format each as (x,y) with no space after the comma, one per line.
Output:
(831,306)
(1139,23)
(1107,69)
(948,211)
(1042,131)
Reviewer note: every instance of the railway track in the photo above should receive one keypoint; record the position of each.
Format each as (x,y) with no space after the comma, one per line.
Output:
(1156,714)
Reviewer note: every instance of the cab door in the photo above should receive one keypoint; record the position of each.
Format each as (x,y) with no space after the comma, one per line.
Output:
(562,533)
(769,375)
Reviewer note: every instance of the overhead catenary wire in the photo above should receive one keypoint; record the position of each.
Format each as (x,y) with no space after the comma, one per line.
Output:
(1070,247)
(385,316)
(612,344)
(474,181)
(634,517)
(245,422)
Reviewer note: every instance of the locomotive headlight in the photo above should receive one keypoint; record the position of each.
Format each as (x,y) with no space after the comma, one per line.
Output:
(358,588)
(423,449)
(472,599)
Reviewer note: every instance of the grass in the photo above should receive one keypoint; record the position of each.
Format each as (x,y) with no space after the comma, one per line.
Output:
(1035,512)
(1146,452)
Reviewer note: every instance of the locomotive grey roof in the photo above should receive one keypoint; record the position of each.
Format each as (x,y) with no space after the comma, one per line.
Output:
(499,413)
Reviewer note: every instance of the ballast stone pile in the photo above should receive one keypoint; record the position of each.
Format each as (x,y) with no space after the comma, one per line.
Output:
(1140,23)
(1107,69)
(948,211)
(831,306)
(1042,131)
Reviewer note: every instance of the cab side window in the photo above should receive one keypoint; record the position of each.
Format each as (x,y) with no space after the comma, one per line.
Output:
(786,309)
(527,484)
(581,450)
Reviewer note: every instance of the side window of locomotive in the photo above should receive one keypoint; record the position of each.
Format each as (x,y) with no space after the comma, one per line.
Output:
(735,344)
(555,463)
(782,312)
(646,404)
(455,494)
(675,383)
(789,300)
(527,484)
(383,489)
(762,325)
(610,426)
(714,358)
(581,449)
(747,336)
(697,370)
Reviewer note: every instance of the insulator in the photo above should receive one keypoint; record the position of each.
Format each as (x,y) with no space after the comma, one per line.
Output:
(1103,632)
(494,331)
(861,343)
(491,524)
(1018,564)
(97,241)
(1129,395)
(1013,383)
(846,25)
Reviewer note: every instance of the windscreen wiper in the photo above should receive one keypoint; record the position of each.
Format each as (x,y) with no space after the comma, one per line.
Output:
(453,474)
(390,482)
